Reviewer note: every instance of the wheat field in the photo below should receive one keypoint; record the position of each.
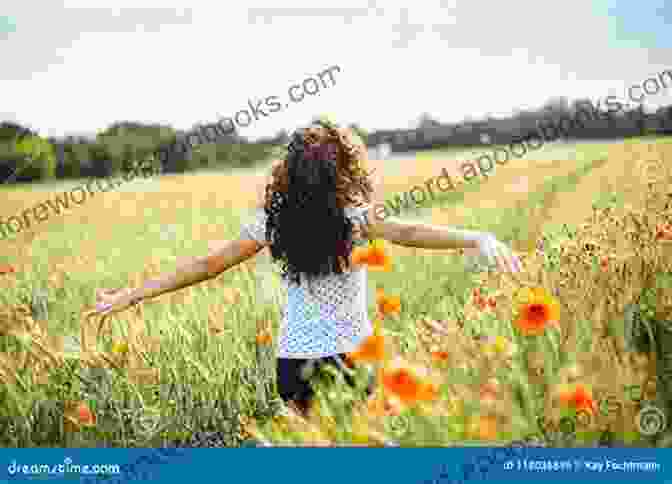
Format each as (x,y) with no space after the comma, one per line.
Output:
(191,368)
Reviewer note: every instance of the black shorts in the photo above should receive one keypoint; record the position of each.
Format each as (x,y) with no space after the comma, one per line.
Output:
(294,377)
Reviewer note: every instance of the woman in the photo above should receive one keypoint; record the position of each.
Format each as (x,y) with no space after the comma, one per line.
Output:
(316,207)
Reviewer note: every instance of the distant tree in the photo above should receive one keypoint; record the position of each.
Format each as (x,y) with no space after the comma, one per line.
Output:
(10,130)
(282,137)
(426,121)
(40,154)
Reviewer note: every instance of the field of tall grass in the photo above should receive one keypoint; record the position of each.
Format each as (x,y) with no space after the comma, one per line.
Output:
(457,350)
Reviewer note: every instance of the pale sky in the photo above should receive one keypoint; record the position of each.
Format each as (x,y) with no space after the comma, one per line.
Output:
(76,66)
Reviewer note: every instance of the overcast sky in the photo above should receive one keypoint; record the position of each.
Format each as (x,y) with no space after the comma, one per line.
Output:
(76,66)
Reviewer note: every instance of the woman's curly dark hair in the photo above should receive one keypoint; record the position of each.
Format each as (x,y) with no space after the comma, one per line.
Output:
(304,204)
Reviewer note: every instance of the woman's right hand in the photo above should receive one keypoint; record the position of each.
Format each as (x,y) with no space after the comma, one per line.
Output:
(110,301)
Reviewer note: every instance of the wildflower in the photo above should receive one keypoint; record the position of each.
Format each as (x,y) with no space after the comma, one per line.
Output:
(6,269)
(360,255)
(371,351)
(501,344)
(522,295)
(540,310)
(120,348)
(85,417)
(264,338)
(387,304)
(498,345)
(428,392)
(490,389)
(577,397)
(488,347)
(373,255)
(360,429)
(481,303)
(664,232)
(604,263)
(407,386)
(485,427)
(440,356)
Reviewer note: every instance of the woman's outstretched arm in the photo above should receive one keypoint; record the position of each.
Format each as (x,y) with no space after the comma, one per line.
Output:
(417,235)
(424,236)
(193,272)
(201,268)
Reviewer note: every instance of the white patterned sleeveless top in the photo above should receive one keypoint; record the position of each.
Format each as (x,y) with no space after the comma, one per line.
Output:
(331,316)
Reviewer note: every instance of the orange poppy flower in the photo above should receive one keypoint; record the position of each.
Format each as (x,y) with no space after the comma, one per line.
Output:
(487,427)
(85,417)
(538,311)
(577,397)
(372,350)
(481,303)
(6,269)
(664,232)
(373,255)
(407,386)
(440,356)
(359,255)
(264,338)
(378,258)
(387,304)
(428,392)
(604,263)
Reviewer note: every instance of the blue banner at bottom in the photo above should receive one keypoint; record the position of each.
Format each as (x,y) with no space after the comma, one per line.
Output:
(337,465)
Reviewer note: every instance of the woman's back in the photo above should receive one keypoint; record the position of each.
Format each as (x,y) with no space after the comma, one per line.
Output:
(327,314)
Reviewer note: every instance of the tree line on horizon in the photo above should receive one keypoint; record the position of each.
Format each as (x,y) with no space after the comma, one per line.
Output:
(27,157)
